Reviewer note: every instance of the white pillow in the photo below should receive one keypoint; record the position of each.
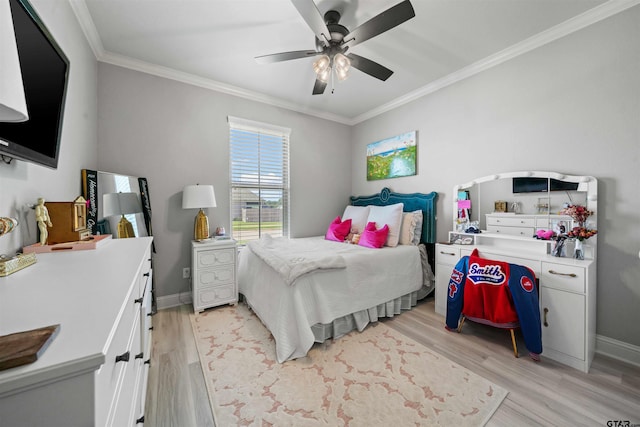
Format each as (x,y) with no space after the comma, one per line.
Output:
(411,228)
(358,216)
(390,215)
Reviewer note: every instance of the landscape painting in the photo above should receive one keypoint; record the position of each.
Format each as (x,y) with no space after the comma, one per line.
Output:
(392,157)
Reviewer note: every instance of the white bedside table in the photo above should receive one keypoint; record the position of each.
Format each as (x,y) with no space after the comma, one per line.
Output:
(213,272)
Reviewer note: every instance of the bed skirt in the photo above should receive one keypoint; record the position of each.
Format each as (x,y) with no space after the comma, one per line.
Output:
(359,320)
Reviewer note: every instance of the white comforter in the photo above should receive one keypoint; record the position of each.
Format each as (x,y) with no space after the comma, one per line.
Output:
(371,277)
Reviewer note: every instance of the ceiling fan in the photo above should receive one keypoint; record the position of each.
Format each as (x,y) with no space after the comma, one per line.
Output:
(334,40)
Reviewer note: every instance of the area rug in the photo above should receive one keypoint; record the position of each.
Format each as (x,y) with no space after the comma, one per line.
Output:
(371,378)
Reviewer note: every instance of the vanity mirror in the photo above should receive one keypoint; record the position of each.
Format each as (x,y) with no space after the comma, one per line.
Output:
(533,201)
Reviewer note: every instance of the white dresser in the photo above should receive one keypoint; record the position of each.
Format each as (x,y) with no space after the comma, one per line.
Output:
(213,269)
(94,373)
(567,292)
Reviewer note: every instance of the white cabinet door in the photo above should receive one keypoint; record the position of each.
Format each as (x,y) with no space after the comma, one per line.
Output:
(563,322)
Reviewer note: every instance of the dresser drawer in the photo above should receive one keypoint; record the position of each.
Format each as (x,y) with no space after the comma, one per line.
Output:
(214,257)
(510,221)
(110,372)
(447,255)
(511,231)
(215,276)
(563,277)
(209,297)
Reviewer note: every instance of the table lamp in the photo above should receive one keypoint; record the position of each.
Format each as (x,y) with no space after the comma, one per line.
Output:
(13,106)
(199,197)
(122,204)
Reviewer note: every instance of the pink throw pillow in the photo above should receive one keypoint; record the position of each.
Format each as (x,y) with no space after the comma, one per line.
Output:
(338,230)
(372,238)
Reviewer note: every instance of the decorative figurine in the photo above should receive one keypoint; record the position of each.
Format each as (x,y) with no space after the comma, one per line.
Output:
(42,217)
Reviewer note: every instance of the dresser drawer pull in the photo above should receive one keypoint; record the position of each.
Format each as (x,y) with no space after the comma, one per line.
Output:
(448,253)
(147,362)
(563,274)
(546,310)
(139,355)
(151,328)
(138,300)
(146,274)
(123,357)
(140,420)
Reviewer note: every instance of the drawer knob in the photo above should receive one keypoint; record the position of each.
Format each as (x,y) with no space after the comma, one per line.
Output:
(146,274)
(138,300)
(147,362)
(124,357)
(139,355)
(151,328)
(546,324)
(140,420)
(563,274)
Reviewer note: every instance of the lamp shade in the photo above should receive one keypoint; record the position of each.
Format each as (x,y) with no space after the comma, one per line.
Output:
(13,105)
(120,204)
(198,196)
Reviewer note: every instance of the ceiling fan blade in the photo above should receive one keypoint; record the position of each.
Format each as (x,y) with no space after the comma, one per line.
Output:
(385,21)
(319,87)
(310,13)
(370,67)
(285,56)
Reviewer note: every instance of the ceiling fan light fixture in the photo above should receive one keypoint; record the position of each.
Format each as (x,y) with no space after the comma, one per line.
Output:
(323,76)
(321,65)
(342,65)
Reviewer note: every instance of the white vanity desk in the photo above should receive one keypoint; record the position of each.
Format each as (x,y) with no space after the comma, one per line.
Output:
(567,286)
(101,299)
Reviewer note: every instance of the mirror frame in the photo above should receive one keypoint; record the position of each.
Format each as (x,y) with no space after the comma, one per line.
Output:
(589,183)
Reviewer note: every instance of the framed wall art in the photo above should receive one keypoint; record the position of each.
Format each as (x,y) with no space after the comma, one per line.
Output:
(392,157)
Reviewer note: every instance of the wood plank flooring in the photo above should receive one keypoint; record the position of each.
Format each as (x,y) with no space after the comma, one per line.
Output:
(546,393)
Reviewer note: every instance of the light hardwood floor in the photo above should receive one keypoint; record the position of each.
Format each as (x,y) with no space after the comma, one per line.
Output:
(546,393)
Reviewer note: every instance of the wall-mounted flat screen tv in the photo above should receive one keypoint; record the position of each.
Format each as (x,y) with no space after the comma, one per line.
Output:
(45,71)
(540,185)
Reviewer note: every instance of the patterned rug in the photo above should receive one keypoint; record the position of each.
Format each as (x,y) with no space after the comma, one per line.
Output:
(373,378)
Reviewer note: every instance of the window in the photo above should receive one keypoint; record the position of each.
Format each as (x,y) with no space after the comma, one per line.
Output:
(259,166)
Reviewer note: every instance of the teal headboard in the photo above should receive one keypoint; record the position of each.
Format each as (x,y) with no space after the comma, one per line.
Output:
(412,202)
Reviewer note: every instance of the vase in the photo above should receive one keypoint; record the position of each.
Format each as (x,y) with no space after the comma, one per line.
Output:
(578,251)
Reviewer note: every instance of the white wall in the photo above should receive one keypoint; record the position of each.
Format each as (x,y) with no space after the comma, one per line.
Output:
(571,106)
(22,183)
(176,134)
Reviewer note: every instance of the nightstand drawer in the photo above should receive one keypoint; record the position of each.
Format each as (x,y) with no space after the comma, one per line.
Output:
(216,276)
(209,297)
(214,257)
(563,277)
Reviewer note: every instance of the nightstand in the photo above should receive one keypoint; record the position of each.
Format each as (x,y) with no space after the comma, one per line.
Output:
(213,272)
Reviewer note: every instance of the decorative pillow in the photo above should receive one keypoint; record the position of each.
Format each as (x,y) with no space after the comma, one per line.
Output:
(411,228)
(338,230)
(390,215)
(358,216)
(372,238)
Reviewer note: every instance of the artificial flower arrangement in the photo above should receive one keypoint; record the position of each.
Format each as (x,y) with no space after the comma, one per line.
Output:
(579,213)
(581,233)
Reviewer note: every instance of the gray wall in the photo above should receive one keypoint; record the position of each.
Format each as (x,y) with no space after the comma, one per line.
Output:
(176,134)
(22,183)
(571,106)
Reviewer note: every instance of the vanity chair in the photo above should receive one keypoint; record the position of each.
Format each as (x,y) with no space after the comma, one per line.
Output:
(566,286)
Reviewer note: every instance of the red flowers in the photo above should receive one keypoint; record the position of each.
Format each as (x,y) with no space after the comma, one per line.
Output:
(581,233)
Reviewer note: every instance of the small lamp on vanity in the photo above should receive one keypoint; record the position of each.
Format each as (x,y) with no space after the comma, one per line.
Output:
(122,204)
(199,197)
(13,105)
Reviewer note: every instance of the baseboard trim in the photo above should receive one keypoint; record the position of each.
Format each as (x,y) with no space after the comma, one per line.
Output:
(174,300)
(619,350)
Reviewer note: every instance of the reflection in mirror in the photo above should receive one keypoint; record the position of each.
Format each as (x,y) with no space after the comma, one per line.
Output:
(113,183)
(541,194)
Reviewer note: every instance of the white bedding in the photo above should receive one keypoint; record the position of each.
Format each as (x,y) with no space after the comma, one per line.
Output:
(371,277)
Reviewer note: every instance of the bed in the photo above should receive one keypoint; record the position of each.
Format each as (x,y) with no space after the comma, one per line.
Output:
(311,289)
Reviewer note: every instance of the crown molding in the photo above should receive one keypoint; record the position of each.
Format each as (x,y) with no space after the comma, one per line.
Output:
(572,25)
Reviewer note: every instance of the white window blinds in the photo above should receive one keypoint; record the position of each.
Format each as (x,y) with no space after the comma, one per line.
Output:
(259,167)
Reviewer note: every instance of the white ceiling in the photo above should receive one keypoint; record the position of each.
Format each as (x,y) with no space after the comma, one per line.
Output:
(212,43)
